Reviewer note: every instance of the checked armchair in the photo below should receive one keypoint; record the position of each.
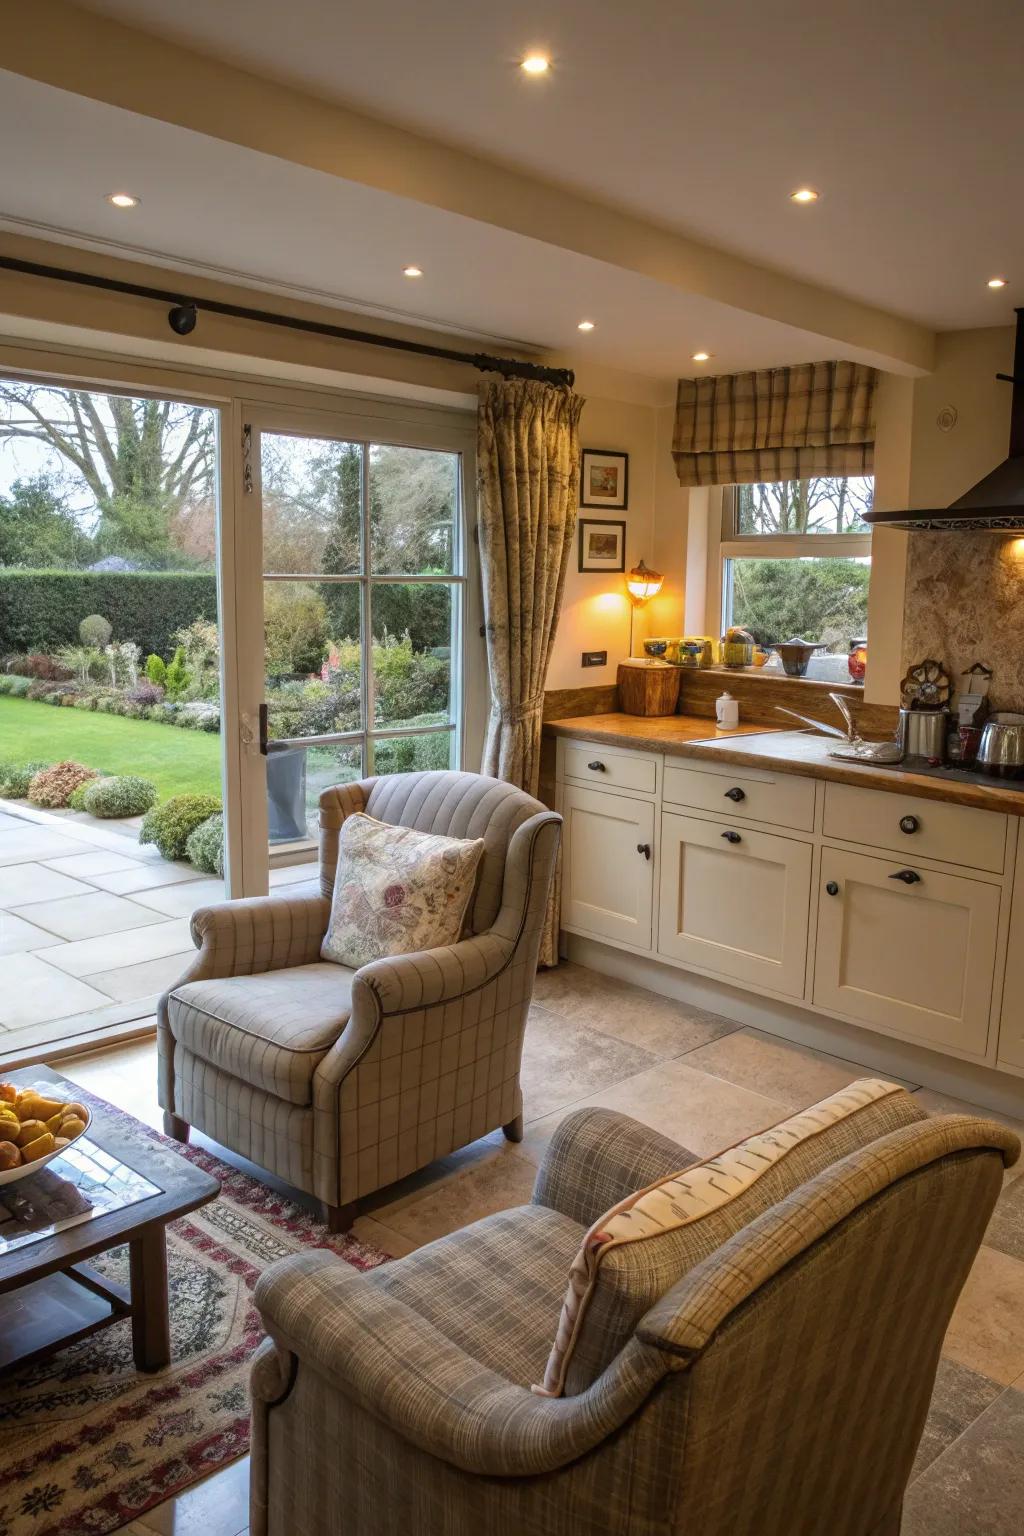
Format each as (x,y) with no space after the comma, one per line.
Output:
(341,1081)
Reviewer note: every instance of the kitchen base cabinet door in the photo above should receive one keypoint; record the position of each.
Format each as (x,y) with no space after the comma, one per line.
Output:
(906,950)
(608,868)
(735,902)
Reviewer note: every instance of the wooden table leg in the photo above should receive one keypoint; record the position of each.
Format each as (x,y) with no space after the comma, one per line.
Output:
(151,1335)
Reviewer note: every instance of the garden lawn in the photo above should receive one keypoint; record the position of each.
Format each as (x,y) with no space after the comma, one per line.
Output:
(176,761)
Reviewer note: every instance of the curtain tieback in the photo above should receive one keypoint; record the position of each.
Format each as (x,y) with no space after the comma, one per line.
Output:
(519,714)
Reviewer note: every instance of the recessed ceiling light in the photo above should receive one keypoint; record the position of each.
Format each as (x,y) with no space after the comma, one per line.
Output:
(413,271)
(585,325)
(536,64)
(123,200)
(803,195)
(701,357)
(997,282)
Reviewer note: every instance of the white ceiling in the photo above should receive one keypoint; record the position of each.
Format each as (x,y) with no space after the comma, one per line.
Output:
(211,206)
(907,114)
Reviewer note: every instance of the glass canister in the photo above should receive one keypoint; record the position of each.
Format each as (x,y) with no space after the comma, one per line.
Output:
(737,647)
(696,651)
(857,661)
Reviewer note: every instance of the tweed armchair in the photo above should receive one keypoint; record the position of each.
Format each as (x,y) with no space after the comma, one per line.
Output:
(342,1081)
(778,1386)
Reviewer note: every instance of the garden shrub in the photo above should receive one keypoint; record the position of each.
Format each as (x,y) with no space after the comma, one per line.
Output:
(38,665)
(52,786)
(14,687)
(95,630)
(170,825)
(205,846)
(145,694)
(42,609)
(177,676)
(76,799)
(120,795)
(156,670)
(15,779)
(295,624)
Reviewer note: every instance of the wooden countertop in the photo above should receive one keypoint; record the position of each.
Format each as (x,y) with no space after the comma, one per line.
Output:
(759,746)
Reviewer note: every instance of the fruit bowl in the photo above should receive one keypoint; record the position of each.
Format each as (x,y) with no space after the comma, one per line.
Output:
(31,1126)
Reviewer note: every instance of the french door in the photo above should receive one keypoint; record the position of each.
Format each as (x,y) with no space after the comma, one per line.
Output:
(358,599)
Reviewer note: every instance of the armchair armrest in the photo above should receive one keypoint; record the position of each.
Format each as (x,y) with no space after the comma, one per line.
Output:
(260,933)
(403,982)
(597,1157)
(383,1355)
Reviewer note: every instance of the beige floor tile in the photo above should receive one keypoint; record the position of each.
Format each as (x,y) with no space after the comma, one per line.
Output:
(987,1329)
(660,1025)
(563,1061)
(118,949)
(17,936)
(148,979)
(181,900)
(493,1185)
(33,992)
(82,866)
(88,917)
(376,1235)
(945,1104)
(218,1506)
(28,841)
(703,1113)
(796,1075)
(24,883)
(145,875)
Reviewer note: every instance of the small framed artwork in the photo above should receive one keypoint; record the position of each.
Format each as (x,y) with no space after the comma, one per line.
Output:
(602,545)
(604,479)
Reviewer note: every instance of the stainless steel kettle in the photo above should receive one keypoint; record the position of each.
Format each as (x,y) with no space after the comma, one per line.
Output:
(1001,751)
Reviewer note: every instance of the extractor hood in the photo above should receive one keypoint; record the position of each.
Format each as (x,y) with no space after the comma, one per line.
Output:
(995,504)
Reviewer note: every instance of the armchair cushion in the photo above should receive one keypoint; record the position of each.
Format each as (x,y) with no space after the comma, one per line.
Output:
(645,1243)
(270,1030)
(397,891)
(488,1287)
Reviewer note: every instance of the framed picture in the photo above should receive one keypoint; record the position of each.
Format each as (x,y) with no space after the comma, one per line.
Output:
(602,545)
(604,479)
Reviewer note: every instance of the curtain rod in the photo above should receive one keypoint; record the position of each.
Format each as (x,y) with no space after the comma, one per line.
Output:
(184,312)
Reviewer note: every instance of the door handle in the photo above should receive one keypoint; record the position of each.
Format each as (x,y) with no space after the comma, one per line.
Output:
(596,767)
(264,730)
(645,849)
(732,837)
(736,795)
(908,876)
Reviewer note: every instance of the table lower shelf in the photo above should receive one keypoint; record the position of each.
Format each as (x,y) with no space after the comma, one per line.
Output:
(58,1310)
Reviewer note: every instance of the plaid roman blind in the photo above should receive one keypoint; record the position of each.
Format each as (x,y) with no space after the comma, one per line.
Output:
(776,424)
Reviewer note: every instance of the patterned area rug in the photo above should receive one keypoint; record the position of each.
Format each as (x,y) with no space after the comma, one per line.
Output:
(87,1443)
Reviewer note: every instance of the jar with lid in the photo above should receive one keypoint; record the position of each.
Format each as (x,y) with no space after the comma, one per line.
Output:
(737,647)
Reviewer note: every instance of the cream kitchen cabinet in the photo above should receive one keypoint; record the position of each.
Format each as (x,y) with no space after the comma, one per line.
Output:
(735,902)
(906,950)
(608,865)
(1010,1053)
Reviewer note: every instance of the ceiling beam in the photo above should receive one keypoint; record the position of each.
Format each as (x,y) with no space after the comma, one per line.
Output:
(61,45)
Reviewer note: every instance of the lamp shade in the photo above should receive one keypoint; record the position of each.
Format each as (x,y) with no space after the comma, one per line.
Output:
(642,584)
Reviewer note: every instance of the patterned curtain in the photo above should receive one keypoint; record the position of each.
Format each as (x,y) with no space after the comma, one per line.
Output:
(528,470)
(777,424)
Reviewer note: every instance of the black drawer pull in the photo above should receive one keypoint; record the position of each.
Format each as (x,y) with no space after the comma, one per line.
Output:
(645,849)
(735,795)
(909,824)
(596,767)
(833,887)
(908,876)
(732,837)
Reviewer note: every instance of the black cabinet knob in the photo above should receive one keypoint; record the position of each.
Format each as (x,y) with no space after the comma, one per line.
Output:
(909,824)
(908,876)
(735,795)
(645,849)
(732,837)
(833,887)
(596,767)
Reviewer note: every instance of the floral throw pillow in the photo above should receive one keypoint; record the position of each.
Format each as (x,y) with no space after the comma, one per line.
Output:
(397,891)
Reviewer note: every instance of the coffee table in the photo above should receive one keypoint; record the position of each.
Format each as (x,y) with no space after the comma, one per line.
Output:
(49,1295)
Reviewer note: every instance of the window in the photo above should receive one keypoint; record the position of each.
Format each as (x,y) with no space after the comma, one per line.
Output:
(363,587)
(796,560)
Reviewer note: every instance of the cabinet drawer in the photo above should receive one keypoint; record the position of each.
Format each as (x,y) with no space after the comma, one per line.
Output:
(911,959)
(735,903)
(610,767)
(742,794)
(916,828)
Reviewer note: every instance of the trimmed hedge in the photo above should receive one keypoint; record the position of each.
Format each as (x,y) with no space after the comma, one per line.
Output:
(41,610)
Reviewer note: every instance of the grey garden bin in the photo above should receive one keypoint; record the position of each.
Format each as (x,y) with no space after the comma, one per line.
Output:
(286,794)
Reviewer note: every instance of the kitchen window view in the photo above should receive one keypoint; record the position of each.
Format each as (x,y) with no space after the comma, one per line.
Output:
(796,561)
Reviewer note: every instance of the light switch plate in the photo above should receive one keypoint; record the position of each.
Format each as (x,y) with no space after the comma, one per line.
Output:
(594,659)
